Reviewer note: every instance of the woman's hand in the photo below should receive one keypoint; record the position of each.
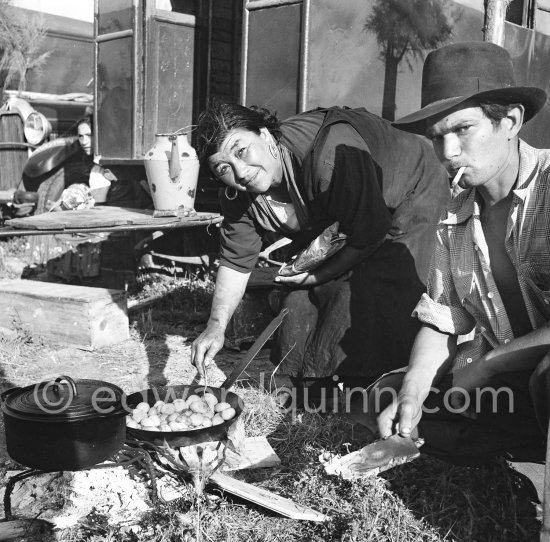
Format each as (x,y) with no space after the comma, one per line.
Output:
(206,346)
(337,265)
(300,280)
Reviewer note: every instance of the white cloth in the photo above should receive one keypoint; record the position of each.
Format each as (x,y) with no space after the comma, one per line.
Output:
(285,212)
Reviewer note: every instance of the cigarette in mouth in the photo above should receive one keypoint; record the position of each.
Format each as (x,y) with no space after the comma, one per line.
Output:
(457,177)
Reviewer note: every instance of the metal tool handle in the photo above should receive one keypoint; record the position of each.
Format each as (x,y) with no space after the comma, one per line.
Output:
(254,349)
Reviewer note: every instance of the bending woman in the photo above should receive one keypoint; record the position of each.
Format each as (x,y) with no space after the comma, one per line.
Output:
(385,188)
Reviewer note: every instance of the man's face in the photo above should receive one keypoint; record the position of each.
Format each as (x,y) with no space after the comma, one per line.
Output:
(466,137)
(85,137)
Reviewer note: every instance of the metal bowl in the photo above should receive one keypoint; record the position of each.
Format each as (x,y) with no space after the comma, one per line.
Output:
(183,438)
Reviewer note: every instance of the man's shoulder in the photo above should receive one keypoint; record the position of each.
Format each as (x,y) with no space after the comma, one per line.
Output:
(532,157)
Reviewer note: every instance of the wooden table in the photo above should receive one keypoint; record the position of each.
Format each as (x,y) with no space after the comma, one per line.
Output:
(103,219)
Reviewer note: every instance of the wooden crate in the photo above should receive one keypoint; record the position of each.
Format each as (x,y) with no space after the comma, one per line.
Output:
(79,316)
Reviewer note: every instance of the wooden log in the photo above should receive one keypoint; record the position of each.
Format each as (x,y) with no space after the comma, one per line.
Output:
(79,316)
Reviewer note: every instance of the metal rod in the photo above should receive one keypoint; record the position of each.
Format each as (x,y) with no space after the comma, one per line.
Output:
(17,145)
(262,4)
(244,53)
(182,19)
(138,67)
(9,488)
(254,349)
(304,58)
(115,35)
(95,132)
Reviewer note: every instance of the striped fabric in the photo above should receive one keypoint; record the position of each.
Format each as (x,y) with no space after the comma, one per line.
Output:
(462,295)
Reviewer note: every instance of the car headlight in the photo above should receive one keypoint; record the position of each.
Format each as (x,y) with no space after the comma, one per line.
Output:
(37,128)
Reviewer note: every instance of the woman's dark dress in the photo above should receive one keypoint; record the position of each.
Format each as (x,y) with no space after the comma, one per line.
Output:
(387,189)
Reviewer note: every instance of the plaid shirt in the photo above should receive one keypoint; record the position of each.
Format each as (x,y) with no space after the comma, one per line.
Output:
(462,295)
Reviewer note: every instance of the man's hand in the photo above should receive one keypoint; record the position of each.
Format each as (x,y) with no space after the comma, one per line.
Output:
(401,416)
(206,346)
(300,280)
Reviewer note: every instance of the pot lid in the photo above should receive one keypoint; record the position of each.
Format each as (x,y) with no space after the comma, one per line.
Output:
(64,399)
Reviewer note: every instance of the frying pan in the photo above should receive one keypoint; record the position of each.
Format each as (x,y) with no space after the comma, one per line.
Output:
(205,434)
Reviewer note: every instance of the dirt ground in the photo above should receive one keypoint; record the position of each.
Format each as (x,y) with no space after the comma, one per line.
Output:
(157,353)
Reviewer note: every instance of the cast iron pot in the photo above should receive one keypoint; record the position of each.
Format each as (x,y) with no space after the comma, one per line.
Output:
(64,424)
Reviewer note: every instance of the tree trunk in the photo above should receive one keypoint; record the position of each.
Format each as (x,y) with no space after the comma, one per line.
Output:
(495,16)
(390,84)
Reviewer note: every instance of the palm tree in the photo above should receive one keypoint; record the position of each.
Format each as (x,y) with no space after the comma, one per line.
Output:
(20,45)
(405,29)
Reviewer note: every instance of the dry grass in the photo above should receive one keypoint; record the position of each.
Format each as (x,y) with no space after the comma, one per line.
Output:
(426,500)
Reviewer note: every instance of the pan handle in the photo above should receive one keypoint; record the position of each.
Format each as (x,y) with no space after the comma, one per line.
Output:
(254,349)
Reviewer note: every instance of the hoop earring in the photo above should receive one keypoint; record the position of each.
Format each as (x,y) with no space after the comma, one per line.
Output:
(273,151)
(234,195)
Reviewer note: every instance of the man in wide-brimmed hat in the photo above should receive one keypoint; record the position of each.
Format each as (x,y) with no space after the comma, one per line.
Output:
(490,273)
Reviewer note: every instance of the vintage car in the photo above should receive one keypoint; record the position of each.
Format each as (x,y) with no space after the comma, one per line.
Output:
(39,147)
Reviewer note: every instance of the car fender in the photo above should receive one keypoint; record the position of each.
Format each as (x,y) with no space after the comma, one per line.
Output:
(50,155)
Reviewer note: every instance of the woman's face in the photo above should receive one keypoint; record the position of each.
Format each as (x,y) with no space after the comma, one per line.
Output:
(245,162)
(85,137)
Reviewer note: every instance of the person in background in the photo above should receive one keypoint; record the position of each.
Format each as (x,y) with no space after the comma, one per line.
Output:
(347,168)
(490,274)
(99,179)
(84,132)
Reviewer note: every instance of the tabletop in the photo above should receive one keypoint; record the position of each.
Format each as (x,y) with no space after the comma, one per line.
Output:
(104,219)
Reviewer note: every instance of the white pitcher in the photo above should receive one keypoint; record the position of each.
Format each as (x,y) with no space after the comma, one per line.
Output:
(172,170)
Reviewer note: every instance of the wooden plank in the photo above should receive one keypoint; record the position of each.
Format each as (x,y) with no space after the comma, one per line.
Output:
(79,316)
(265,498)
(104,217)
(97,216)
(256,453)
(23,529)
(185,223)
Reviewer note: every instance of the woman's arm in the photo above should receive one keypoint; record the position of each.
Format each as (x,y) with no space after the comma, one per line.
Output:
(229,290)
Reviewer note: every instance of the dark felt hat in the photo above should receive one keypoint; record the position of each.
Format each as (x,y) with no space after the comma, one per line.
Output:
(472,70)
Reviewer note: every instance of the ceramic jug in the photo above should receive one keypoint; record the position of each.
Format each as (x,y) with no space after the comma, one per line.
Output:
(172,169)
